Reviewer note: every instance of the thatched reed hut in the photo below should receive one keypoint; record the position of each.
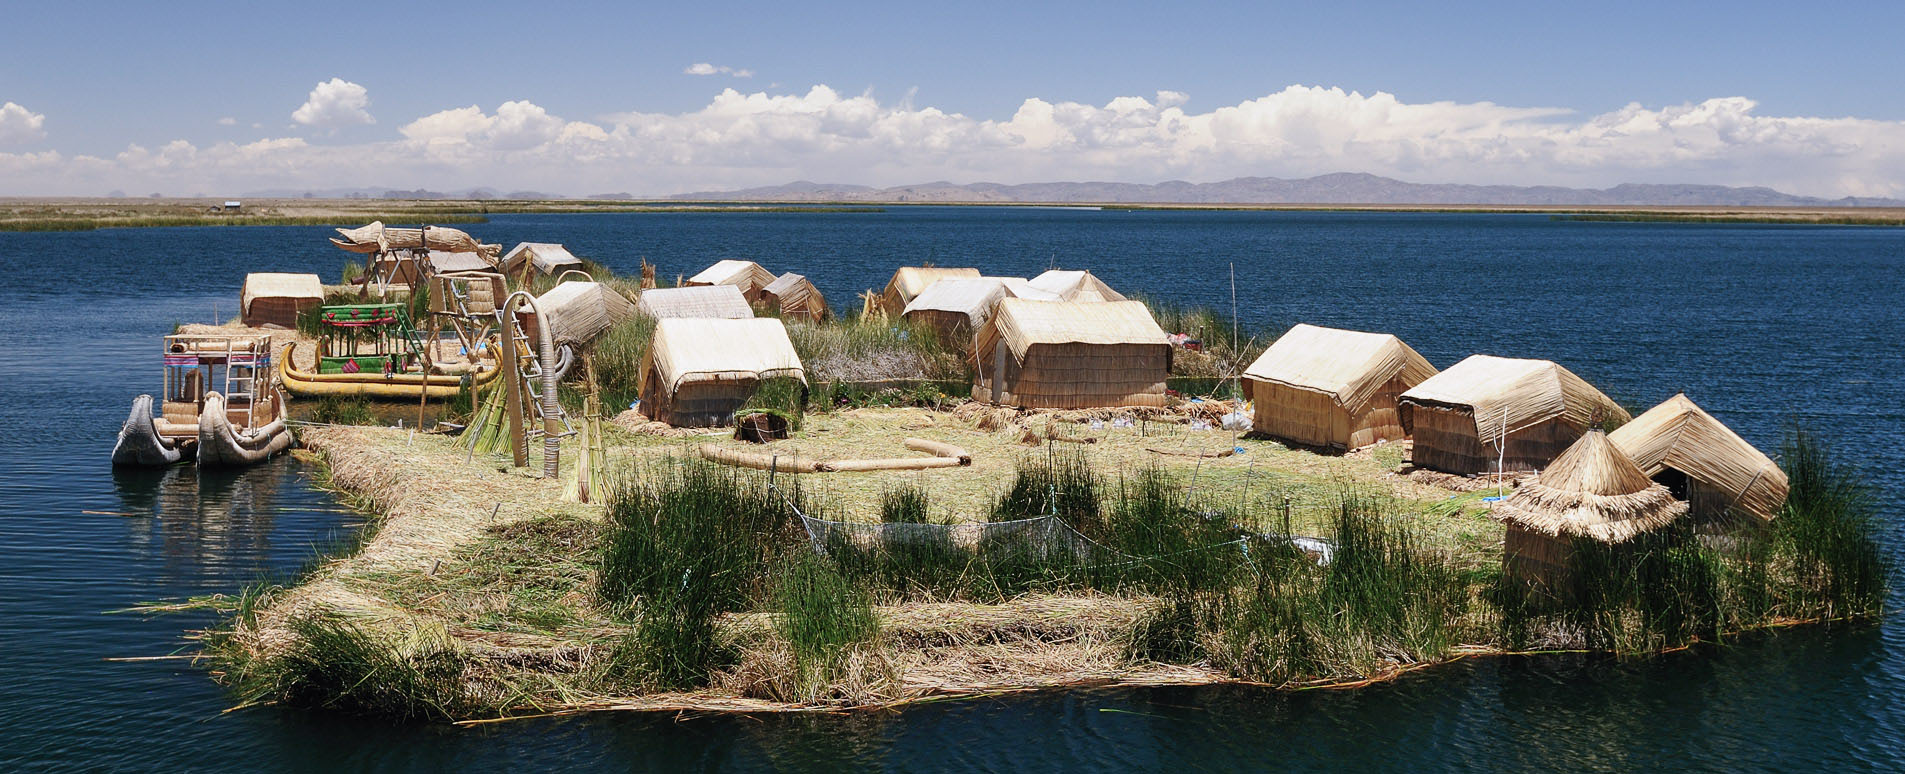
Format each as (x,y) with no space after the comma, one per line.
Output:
(544,257)
(697,372)
(1488,413)
(746,275)
(1064,355)
(271,298)
(1704,463)
(956,307)
(1594,491)
(794,297)
(909,281)
(709,301)
(579,312)
(1332,388)
(1075,286)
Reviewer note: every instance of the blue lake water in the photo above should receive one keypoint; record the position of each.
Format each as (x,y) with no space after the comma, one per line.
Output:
(1762,325)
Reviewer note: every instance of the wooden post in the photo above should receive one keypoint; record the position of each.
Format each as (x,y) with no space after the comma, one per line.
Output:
(513,373)
(998,371)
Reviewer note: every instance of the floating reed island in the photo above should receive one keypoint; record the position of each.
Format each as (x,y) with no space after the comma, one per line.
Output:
(725,496)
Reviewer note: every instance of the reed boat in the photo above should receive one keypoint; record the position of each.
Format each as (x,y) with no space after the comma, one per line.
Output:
(240,424)
(396,385)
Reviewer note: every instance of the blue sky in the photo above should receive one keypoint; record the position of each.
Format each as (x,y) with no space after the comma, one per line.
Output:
(91,80)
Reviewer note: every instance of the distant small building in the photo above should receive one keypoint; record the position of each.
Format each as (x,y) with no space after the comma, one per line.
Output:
(1082,286)
(548,258)
(749,276)
(271,298)
(910,281)
(233,206)
(794,297)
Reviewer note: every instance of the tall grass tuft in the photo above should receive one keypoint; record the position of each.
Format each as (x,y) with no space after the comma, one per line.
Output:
(823,616)
(1182,549)
(334,410)
(904,504)
(1056,482)
(687,542)
(1826,533)
(336,663)
(618,360)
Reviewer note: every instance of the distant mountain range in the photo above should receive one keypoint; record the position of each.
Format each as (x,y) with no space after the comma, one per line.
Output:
(1341,188)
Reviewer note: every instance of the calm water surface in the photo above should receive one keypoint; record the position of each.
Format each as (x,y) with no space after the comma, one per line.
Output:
(1761,325)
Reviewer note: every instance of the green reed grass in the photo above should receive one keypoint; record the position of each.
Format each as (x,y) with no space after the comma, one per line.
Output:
(823,616)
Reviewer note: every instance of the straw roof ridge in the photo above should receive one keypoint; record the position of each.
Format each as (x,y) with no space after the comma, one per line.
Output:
(1679,434)
(546,256)
(1592,490)
(1076,285)
(912,280)
(1024,323)
(578,311)
(1506,395)
(732,271)
(1350,366)
(686,349)
(723,301)
(973,296)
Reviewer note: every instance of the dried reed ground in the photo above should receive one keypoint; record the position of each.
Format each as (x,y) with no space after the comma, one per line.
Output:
(489,558)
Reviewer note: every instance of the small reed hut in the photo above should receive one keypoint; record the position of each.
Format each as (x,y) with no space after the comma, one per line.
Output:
(909,281)
(1080,286)
(794,298)
(1700,460)
(710,301)
(544,257)
(271,298)
(579,312)
(697,372)
(1488,413)
(746,275)
(1332,388)
(956,307)
(1064,355)
(1594,491)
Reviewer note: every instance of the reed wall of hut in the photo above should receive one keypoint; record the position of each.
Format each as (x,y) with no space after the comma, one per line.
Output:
(1316,419)
(271,298)
(1445,439)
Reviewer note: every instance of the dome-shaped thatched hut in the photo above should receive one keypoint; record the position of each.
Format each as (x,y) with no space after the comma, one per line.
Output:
(910,281)
(1594,491)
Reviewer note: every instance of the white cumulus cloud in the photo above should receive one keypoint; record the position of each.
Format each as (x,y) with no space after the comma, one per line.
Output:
(704,68)
(19,125)
(335,103)
(766,137)
(228,121)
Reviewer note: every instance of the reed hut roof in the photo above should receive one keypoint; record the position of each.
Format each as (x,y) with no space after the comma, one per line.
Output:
(794,294)
(375,237)
(734,272)
(578,312)
(910,281)
(1678,434)
(1592,490)
(547,257)
(1507,395)
(974,296)
(1349,366)
(442,262)
(690,350)
(279,285)
(1076,286)
(715,301)
(1023,323)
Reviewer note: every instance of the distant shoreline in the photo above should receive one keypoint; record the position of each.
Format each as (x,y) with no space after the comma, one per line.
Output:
(85,214)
